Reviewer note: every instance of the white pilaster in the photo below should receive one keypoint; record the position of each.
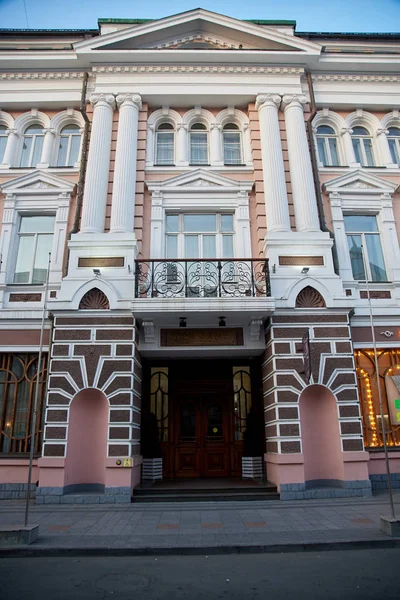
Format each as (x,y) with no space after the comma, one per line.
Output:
(384,149)
(301,175)
(182,159)
(216,145)
(276,201)
(247,158)
(157,225)
(150,147)
(47,150)
(123,196)
(11,148)
(348,147)
(95,196)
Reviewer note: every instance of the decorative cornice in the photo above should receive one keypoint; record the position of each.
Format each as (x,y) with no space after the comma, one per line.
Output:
(42,75)
(360,78)
(198,69)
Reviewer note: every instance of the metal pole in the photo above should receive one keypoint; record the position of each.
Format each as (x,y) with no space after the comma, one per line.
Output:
(379,390)
(35,403)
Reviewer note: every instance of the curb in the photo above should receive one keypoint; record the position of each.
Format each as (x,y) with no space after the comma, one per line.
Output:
(31,551)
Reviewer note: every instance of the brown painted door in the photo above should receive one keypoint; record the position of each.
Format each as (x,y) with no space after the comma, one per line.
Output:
(202,436)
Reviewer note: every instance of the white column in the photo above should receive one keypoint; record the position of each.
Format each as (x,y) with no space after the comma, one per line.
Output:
(275,195)
(348,147)
(216,145)
(98,166)
(150,149)
(47,150)
(11,148)
(384,149)
(301,175)
(123,196)
(182,159)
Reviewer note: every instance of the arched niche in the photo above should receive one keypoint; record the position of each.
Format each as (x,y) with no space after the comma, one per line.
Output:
(323,460)
(85,462)
(309,297)
(94,299)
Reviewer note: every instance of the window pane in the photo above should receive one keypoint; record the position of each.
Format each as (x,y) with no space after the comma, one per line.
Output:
(375,257)
(394,151)
(43,249)
(356,257)
(165,148)
(394,131)
(3,144)
(198,148)
(173,223)
(209,246)
(172,246)
(74,151)
(360,131)
(198,223)
(232,154)
(357,151)
(37,224)
(325,129)
(62,151)
(69,129)
(226,222)
(360,223)
(333,149)
(191,246)
(26,151)
(368,152)
(24,259)
(321,151)
(37,150)
(227,246)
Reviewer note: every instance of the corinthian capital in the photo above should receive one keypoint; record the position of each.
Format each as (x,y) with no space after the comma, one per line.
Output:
(295,100)
(268,100)
(129,100)
(102,100)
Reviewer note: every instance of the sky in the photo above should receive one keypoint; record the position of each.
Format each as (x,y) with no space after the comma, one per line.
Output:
(311,15)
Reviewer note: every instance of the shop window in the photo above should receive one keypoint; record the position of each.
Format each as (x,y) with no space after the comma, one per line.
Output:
(242,400)
(159,400)
(18,377)
(35,239)
(389,372)
(365,248)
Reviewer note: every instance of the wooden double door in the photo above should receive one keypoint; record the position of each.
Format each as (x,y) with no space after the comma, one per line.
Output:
(202,434)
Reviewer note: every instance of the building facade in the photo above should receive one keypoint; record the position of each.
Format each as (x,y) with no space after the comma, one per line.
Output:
(216,197)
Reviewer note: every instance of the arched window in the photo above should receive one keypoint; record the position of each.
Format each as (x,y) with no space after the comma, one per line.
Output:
(32,146)
(327,146)
(232,145)
(70,143)
(362,144)
(198,144)
(165,144)
(3,142)
(394,143)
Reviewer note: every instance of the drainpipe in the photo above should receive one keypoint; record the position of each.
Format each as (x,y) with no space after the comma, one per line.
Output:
(317,183)
(82,168)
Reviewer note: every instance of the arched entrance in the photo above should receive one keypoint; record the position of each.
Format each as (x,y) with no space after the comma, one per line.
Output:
(323,461)
(85,463)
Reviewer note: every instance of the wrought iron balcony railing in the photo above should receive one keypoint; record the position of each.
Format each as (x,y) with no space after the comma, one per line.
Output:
(202,278)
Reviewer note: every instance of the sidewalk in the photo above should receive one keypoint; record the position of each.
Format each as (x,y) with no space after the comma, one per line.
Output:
(202,527)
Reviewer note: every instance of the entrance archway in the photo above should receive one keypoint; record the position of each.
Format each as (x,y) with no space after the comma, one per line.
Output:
(85,463)
(323,461)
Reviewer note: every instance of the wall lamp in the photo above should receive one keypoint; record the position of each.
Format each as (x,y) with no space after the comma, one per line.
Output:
(97,272)
(305,270)
(182,322)
(222,322)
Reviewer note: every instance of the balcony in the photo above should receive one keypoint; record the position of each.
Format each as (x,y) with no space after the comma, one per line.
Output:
(202,278)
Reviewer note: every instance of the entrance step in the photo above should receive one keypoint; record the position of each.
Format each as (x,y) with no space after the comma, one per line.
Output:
(177,494)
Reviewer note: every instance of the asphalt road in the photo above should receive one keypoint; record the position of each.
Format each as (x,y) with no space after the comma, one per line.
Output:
(350,574)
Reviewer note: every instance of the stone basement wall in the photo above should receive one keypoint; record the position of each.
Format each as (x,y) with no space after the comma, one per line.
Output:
(332,365)
(94,352)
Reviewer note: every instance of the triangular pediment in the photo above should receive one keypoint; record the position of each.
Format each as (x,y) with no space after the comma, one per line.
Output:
(360,182)
(200,180)
(198,29)
(38,182)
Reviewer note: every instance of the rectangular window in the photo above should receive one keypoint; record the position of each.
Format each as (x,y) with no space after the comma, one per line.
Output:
(198,148)
(199,235)
(365,248)
(165,148)
(34,245)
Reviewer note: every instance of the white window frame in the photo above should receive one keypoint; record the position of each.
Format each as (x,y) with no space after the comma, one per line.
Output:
(364,249)
(204,132)
(396,139)
(362,139)
(181,234)
(70,136)
(356,193)
(36,236)
(326,137)
(34,136)
(239,133)
(157,135)
(34,193)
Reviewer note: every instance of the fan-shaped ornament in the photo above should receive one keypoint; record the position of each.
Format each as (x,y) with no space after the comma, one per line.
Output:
(94,299)
(310,298)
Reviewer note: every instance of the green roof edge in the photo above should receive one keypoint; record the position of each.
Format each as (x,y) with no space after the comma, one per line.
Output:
(140,21)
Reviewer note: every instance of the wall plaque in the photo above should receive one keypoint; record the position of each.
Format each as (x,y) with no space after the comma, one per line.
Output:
(102,261)
(300,261)
(25,297)
(202,337)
